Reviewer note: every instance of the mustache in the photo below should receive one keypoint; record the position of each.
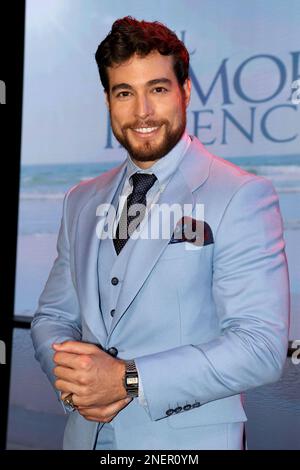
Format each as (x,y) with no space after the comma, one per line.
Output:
(148,123)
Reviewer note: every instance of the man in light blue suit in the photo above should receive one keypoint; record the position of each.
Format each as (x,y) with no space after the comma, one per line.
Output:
(151,337)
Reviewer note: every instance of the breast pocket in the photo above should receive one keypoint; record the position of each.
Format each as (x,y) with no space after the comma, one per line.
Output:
(180,250)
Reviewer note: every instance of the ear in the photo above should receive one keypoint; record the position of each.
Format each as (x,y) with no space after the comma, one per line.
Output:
(187,86)
(106,96)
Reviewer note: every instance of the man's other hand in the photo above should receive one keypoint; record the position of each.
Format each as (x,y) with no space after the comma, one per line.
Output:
(94,377)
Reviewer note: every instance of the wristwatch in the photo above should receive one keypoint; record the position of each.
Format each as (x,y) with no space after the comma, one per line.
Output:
(131,379)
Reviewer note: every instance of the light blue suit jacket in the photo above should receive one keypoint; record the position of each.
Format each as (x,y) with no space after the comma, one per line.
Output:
(203,325)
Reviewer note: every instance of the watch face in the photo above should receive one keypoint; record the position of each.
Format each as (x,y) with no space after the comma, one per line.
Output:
(132,381)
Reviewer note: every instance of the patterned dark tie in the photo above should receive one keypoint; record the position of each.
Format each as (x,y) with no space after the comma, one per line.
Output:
(132,215)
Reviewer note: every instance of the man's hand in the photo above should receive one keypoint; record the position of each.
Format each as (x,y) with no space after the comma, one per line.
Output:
(93,377)
(103,414)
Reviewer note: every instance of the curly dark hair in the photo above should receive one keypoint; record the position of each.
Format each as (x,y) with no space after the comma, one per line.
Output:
(129,36)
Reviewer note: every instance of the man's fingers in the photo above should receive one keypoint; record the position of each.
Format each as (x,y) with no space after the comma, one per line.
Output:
(67,374)
(75,347)
(81,403)
(66,359)
(98,419)
(64,386)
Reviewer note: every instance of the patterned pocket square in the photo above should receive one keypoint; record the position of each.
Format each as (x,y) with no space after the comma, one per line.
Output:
(197,232)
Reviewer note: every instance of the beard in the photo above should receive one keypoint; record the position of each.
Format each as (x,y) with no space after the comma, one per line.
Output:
(150,151)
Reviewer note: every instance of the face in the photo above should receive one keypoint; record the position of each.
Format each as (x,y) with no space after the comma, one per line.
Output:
(147,106)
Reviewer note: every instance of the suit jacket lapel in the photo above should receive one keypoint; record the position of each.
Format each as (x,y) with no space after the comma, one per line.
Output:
(86,252)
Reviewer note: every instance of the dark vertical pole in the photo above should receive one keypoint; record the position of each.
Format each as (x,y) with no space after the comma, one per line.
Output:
(11,75)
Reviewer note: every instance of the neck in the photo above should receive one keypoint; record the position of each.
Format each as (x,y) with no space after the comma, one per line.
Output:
(144,165)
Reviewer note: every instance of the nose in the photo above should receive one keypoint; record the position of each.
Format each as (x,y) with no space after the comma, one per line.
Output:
(143,107)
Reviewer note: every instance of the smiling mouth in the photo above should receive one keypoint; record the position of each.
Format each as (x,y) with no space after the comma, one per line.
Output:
(145,131)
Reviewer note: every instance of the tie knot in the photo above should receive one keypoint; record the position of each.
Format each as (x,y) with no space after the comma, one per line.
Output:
(142,182)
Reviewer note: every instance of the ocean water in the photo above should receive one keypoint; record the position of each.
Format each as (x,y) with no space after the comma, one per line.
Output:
(42,188)
(53,180)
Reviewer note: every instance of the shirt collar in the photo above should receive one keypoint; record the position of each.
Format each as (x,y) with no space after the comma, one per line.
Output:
(166,165)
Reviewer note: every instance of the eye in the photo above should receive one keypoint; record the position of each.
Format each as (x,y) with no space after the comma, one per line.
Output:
(160,90)
(123,94)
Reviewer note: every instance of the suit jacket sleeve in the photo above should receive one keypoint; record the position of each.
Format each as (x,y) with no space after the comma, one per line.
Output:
(251,292)
(57,317)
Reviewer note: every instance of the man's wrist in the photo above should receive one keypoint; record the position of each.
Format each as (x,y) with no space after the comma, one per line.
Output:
(121,374)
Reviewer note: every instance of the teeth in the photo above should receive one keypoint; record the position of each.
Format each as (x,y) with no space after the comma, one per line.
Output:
(146,130)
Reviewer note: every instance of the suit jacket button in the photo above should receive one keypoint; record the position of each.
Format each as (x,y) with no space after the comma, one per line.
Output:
(187,407)
(113,352)
(112,312)
(178,409)
(196,405)
(169,412)
(114,281)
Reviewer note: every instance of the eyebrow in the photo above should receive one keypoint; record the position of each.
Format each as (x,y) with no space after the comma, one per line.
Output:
(155,81)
